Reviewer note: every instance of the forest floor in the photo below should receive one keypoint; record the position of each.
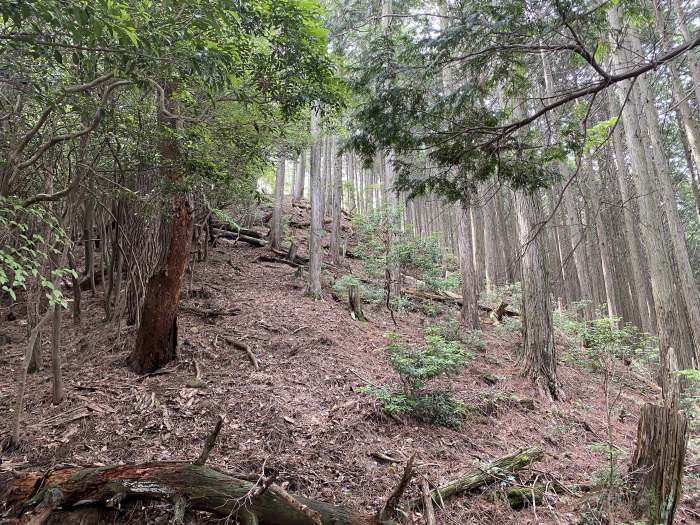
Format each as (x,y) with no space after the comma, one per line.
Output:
(301,413)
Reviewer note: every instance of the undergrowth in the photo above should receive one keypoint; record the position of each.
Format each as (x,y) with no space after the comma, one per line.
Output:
(442,354)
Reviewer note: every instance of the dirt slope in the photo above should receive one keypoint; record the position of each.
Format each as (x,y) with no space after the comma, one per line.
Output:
(300,413)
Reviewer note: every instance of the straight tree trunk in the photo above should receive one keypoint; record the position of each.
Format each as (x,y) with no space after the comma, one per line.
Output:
(276,229)
(57,384)
(686,277)
(693,62)
(641,289)
(313,288)
(538,353)
(477,226)
(336,210)
(671,320)
(492,250)
(300,178)
(470,286)
(577,245)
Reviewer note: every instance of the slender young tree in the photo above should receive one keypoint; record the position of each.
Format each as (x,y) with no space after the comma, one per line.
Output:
(313,287)
(276,229)
(298,192)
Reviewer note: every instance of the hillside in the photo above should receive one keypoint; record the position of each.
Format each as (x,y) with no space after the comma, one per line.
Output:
(301,414)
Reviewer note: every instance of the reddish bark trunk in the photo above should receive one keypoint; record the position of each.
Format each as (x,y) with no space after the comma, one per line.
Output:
(156,340)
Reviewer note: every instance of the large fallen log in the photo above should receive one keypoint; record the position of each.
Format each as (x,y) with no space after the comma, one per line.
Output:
(37,496)
(203,488)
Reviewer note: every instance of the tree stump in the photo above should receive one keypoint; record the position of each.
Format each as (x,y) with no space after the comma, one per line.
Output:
(657,465)
(355,302)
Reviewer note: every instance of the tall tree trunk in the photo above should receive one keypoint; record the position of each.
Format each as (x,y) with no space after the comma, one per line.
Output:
(313,287)
(693,62)
(301,175)
(641,289)
(686,277)
(577,239)
(336,214)
(470,286)
(276,229)
(57,383)
(494,268)
(477,224)
(156,339)
(538,353)
(671,320)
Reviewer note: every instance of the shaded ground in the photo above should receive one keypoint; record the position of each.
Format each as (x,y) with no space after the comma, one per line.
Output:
(301,414)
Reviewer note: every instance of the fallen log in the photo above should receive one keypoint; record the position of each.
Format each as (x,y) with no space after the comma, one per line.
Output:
(208,313)
(454,299)
(240,230)
(36,495)
(223,234)
(297,259)
(494,471)
(276,260)
(203,488)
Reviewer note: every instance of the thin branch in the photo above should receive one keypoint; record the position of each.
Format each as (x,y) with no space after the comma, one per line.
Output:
(209,443)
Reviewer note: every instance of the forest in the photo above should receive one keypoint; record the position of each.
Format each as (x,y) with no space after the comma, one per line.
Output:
(350,262)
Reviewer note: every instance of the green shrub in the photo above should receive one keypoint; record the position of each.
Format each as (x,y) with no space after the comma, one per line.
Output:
(416,366)
(400,305)
(382,241)
(341,285)
(448,329)
(509,325)
(474,340)
(435,407)
(439,408)
(431,308)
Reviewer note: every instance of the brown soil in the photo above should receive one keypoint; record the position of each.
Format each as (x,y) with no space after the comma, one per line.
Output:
(301,413)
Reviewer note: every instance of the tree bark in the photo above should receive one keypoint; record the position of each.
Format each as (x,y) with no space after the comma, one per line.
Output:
(313,287)
(657,465)
(488,473)
(57,384)
(301,175)
(470,285)
(156,339)
(337,205)
(202,488)
(538,353)
(670,318)
(686,278)
(641,288)
(276,229)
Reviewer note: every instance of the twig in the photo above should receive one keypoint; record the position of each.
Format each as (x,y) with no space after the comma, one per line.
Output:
(427,503)
(246,349)
(209,443)
(387,511)
(363,379)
